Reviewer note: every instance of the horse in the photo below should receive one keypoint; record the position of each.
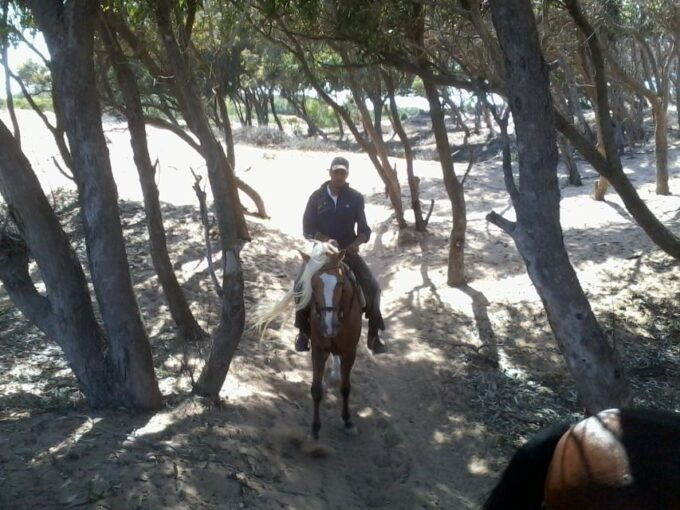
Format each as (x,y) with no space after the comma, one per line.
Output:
(618,459)
(327,285)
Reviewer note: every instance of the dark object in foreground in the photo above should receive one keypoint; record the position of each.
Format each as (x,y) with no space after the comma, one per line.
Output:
(626,459)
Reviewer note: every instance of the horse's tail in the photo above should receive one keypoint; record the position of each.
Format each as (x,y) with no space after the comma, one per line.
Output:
(261,318)
(522,485)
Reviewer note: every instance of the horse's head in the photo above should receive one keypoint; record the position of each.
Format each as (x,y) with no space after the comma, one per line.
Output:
(329,299)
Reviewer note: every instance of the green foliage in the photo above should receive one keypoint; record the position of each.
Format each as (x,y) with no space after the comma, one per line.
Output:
(36,77)
(320,113)
(44,102)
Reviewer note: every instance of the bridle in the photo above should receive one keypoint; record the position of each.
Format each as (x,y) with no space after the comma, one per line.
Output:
(341,267)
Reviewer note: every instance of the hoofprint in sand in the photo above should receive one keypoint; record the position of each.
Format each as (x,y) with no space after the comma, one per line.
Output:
(470,373)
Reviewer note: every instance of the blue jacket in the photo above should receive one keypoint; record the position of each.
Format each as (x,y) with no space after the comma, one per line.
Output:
(323,216)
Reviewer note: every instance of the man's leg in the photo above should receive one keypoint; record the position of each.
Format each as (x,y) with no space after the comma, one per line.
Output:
(371,290)
(302,323)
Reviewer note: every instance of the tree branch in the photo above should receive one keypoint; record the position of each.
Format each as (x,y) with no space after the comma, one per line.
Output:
(505,225)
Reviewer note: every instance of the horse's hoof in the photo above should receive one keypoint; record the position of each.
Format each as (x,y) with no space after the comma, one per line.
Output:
(351,429)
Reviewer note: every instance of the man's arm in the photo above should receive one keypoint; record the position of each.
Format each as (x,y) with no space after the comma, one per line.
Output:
(363,230)
(309,220)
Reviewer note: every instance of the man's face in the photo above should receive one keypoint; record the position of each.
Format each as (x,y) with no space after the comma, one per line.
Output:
(338,177)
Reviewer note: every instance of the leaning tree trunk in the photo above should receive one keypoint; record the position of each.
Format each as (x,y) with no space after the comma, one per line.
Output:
(231,156)
(454,189)
(69,33)
(537,233)
(413,181)
(65,312)
(177,303)
(230,221)
(385,170)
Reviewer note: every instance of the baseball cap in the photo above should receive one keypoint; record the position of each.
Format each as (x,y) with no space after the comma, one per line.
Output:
(339,162)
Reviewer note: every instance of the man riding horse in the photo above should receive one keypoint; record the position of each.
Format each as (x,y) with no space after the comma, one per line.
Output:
(331,215)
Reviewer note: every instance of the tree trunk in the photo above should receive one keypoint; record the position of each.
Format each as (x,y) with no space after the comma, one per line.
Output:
(537,234)
(602,183)
(301,111)
(385,170)
(457,115)
(456,264)
(177,303)
(236,101)
(413,181)
(487,121)
(4,46)
(478,117)
(65,314)
(69,33)
(341,130)
(273,107)
(677,80)
(569,161)
(378,103)
(226,124)
(660,110)
(230,221)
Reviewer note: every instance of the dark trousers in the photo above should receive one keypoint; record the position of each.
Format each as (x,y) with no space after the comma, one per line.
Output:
(371,290)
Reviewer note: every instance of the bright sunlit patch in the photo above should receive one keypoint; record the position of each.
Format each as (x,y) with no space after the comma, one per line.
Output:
(294,376)
(478,466)
(366,412)
(188,269)
(69,441)
(441,438)
(509,368)
(424,354)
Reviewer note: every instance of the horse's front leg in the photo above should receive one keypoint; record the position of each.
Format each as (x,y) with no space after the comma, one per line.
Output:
(318,363)
(345,387)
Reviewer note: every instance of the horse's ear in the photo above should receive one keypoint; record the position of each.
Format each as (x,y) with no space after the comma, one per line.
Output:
(304,256)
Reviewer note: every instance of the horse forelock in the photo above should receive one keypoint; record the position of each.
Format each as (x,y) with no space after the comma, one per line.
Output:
(318,258)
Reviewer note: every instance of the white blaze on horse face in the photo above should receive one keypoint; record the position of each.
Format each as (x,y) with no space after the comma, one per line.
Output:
(329,282)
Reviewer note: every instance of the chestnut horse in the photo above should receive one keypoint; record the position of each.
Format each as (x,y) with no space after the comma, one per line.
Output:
(328,287)
(626,459)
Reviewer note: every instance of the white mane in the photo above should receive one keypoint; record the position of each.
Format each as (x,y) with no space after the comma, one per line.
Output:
(300,293)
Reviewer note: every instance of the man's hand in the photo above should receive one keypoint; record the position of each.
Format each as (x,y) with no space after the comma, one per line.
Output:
(352,249)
